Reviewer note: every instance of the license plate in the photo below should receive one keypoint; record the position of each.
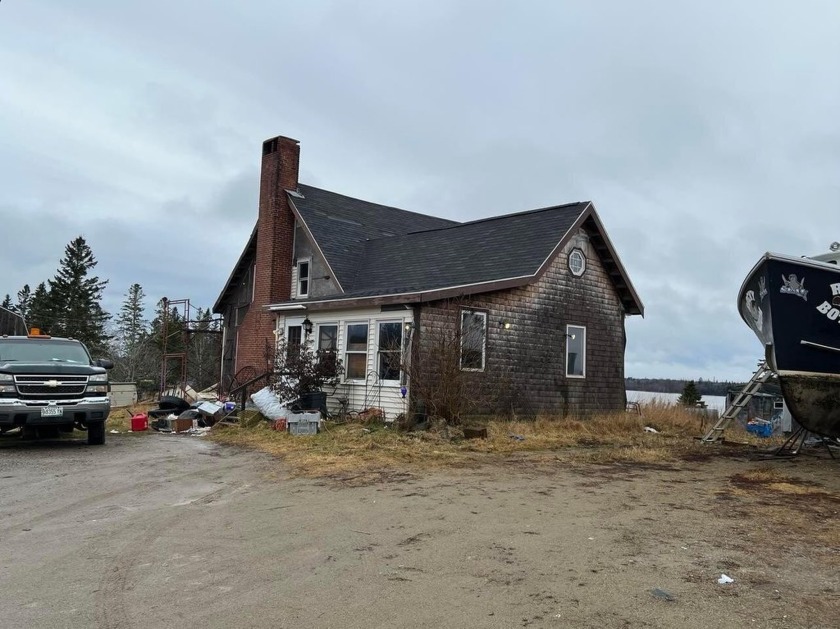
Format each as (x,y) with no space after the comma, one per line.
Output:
(52,411)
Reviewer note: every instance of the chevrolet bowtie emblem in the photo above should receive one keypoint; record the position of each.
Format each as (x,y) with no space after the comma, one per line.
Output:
(52,383)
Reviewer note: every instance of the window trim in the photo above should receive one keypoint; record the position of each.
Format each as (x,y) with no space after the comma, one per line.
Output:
(319,351)
(346,351)
(296,325)
(307,279)
(326,324)
(569,328)
(484,315)
(398,351)
(578,251)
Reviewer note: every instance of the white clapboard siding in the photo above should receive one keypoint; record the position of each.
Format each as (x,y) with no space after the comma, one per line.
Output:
(369,393)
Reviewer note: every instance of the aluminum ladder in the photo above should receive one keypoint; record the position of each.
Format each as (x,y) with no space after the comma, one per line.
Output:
(761,375)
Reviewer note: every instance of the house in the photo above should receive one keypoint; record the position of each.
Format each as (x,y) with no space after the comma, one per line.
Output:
(521,312)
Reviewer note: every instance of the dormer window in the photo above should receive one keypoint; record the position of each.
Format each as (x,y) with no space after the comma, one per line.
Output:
(303,278)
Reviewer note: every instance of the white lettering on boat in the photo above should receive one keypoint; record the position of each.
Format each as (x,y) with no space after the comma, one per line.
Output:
(829,311)
(835,289)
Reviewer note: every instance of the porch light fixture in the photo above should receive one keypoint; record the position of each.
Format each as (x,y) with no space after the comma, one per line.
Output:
(407,326)
(570,336)
(307,326)
(504,324)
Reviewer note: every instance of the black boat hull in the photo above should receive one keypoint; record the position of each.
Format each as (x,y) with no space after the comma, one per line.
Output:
(793,307)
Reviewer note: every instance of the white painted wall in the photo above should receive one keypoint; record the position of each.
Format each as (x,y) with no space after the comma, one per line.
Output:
(361,394)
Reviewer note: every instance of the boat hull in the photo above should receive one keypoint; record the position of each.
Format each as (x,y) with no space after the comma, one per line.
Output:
(814,401)
(793,307)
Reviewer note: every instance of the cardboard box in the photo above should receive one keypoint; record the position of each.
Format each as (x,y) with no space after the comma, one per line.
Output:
(180,425)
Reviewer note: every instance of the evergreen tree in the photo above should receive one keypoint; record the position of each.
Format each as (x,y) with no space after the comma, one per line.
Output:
(24,300)
(76,297)
(130,323)
(7,304)
(132,332)
(689,396)
(41,309)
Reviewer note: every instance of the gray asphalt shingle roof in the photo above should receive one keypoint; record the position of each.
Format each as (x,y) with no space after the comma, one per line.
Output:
(498,248)
(375,249)
(380,251)
(342,226)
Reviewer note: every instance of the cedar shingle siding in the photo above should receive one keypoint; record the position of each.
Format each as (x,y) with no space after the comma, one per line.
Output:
(525,364)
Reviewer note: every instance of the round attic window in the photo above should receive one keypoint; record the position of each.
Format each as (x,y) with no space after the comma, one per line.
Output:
(577,263)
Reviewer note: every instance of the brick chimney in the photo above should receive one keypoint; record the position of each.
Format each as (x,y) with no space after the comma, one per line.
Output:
(276,224)
(275,242)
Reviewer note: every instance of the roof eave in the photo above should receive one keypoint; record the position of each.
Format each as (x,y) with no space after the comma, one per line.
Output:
(636,305)
(236,267)
(633,305)
(434,294)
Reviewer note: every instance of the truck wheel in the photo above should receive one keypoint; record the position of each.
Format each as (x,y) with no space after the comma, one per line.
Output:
(96,434)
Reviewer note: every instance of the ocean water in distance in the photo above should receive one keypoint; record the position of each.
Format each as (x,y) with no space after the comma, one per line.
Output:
(712,401)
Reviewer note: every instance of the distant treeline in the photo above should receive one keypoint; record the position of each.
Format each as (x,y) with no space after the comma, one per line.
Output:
(704,387)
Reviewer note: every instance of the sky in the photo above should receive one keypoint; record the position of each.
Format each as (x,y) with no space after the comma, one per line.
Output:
(705,133)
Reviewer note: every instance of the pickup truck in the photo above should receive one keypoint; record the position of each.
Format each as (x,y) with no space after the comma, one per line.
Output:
(50,385)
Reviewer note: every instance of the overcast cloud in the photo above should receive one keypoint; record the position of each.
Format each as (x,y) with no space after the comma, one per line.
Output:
(704,133)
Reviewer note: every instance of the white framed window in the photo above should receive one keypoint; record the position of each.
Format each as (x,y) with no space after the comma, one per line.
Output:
(577,262)
(355,352)
(327,345)
(327,337)
(294,339)
(575,351)
(303,278)
(473,340)
(389,350)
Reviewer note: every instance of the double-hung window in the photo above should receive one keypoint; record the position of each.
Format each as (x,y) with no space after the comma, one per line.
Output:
(327,337)
(303,278)
(327,346)
(575,351)
(355,354)
(390,350)
(473,340)
(294,336)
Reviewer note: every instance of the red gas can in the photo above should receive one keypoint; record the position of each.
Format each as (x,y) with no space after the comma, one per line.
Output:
(139,422)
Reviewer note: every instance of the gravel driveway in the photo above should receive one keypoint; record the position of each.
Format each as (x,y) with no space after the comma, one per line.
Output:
(174,531)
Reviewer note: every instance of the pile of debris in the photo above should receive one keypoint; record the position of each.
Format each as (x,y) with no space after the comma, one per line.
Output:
(177,414)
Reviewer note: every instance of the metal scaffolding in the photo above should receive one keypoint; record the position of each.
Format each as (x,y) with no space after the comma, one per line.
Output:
(178,329)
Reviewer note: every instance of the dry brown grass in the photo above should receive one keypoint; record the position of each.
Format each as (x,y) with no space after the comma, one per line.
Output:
(120,417)
(787,506)
(358,450)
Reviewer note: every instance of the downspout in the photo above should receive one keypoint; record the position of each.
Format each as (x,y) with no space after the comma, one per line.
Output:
(222,361)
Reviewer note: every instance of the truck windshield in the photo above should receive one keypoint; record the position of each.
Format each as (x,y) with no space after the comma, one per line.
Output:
(41,351)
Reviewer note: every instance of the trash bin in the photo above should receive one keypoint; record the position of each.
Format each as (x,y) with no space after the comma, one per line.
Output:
(314,401)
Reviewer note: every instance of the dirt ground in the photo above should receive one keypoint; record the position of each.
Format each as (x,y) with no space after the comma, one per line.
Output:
(171,530)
